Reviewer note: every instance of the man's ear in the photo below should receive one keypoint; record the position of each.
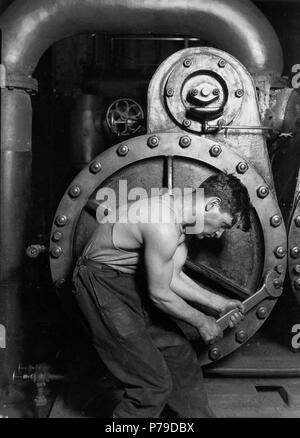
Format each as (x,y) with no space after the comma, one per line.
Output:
(212,203)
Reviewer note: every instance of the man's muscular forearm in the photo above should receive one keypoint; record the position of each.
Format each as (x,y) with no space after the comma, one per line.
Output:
(172,304)
(187,289)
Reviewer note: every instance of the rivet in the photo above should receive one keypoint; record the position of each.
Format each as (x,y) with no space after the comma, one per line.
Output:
(241,336)
(61,220)
(276,220)
(123,150)
(216,92)
(277,283)
(280,252)
(239,93)
(242,167)
(261,312)
(296,269)
(297,283)
(295,252)
(169,92)
(215,151)
(186,123)
(187,62)
(185,141)
(214,353)
(221,63)
(153,141)
(95,167)
(297,221)
(60,283)
(279,269)
(57,235)
(56,252)
(263,191)
(74,191)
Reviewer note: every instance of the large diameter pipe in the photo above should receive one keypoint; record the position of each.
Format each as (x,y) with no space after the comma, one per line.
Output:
(236,26)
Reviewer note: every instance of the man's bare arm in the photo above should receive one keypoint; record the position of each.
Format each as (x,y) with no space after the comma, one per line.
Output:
(160,243)
(189,290)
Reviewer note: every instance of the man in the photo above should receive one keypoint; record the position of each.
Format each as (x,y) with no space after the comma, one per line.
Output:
(131,289)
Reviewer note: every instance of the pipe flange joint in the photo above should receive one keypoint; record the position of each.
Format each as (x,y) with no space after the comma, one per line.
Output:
(21,82)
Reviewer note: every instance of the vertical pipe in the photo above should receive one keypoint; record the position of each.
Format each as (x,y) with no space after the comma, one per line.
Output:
(15,186)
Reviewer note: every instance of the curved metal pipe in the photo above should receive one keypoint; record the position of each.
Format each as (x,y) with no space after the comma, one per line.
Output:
(236,26)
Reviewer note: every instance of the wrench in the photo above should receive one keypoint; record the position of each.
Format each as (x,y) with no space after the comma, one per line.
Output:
(266,291)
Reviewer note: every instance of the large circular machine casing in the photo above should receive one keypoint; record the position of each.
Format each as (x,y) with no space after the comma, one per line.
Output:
(193,95)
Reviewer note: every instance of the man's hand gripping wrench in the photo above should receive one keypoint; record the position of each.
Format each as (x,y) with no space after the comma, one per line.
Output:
(268,290)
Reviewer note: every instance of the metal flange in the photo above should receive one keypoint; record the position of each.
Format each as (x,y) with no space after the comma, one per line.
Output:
(199,151)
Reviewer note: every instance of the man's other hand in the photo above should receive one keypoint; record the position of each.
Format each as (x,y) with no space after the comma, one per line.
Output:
(209,330)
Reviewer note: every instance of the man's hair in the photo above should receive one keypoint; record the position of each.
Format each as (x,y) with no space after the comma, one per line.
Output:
(234,197)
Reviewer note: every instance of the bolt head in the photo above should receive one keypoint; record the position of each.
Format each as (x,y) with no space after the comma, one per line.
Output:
(61,220)
(169,92)
(277,283)
(185,141)
(262,312)
(95,167)
(153,141)
(214,353)
(56,252)
(242,167)
(57,235)
(187,62)
(186,123)
(215,150)
(280,252)
(263,191)
(221,63)
(295,252)
(297,284)
(279,269)
(276,220)
(296,269)
(205,92)
(74,191)
(216,92)
(123,150)
(239,93)
(297,221)
(241,336)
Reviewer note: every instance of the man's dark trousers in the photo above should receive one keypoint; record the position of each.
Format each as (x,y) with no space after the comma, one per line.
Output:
(149,355)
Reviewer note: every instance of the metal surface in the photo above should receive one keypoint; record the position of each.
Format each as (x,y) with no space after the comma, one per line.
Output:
(114,166)
(86,130)
(29,28)
(293,254)
(238,111)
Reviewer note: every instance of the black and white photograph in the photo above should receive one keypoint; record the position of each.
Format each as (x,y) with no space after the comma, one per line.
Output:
(150,212)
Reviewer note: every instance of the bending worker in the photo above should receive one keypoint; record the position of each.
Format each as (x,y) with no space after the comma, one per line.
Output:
(131,289)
